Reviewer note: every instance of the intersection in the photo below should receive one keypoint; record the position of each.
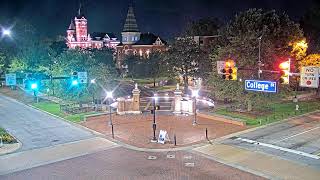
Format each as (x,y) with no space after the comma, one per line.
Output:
(103,157)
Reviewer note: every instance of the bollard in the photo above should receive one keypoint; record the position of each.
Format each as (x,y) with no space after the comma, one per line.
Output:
(175,139)
(112,131)
(207,133)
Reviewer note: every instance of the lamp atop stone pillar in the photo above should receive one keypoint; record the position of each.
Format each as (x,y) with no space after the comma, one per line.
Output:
(177,100)
(136,99)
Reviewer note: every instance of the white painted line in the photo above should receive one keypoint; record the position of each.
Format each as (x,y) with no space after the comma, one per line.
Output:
(171,156)
(189,164)
(297,134)
(279,148)
(187,157)
(152,157)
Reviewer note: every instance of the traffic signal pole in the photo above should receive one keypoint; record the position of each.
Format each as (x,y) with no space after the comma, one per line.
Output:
(154,125)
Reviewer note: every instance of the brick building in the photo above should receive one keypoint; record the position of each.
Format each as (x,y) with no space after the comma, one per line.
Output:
(77,35)
(136,43)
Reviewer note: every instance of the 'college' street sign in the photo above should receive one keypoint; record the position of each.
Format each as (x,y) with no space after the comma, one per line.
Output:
(262,86)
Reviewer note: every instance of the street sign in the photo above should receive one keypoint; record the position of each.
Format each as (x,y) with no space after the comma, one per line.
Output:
(220,66)
(11,79)
(82,77)
(163,136)
(262,86)
(309,77)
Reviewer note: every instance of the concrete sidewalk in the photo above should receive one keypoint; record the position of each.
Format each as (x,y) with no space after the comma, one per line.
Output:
(269,166)
(37,157)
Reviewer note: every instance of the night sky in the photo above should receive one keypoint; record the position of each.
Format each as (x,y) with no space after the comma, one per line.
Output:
(166,18)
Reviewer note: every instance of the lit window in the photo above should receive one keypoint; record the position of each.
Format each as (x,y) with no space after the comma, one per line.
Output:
(148,53)
(140,52)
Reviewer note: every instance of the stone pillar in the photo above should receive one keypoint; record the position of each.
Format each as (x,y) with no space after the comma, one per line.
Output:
(136,100)
(191,104)
(121,106)
(177,100)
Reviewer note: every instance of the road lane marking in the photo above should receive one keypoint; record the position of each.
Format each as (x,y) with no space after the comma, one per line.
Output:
(297,134)
(279,148)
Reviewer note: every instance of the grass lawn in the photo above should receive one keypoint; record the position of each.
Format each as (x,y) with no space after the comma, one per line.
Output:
(278,111)
(54,108)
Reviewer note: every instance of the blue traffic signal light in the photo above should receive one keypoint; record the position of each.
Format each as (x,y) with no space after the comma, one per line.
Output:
(74,82)
(34,86)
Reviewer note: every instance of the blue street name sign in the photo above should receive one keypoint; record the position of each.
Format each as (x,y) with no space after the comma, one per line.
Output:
(262,86)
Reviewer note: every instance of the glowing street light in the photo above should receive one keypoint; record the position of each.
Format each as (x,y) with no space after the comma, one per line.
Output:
(6,32)
(195,94)
(34,87)
(74,82)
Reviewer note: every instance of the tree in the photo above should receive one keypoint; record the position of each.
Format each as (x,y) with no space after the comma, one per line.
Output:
(240,41)
(310,23)
(155,65)
(135,67)
(2,64)
(183,58)
(203,27)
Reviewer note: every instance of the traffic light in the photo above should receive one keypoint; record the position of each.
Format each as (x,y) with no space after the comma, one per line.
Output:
(233,73)
(229,71)
(284,72)
(74,79)
(34,86)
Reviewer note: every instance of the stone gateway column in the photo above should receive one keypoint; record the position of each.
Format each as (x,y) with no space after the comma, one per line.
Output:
(177,100)
(136,100)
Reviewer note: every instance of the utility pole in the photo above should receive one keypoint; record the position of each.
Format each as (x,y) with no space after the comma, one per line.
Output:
(154,125)
(259,58)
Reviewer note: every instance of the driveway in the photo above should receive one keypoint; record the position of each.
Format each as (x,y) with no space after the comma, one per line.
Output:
(35,129)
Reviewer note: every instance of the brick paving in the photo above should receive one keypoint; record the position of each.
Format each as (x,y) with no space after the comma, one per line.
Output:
(137,129)
(121,163)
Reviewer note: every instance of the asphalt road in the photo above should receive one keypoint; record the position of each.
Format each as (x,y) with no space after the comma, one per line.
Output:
(35,129)
(121,163)
(297,139)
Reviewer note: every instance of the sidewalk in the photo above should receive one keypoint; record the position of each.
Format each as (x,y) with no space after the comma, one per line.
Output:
(8,148)
(37,157)
(268,165)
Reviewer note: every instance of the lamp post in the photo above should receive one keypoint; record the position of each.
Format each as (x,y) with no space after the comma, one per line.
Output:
(154,125)
(34,87)
(259,58)
(92,82)
(195,94)
(109,97)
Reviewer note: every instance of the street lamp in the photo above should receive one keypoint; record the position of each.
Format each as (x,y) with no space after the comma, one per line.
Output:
(195,94)
(6,32)
(93,81)
(34,87)
(109,97)
(154,125)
